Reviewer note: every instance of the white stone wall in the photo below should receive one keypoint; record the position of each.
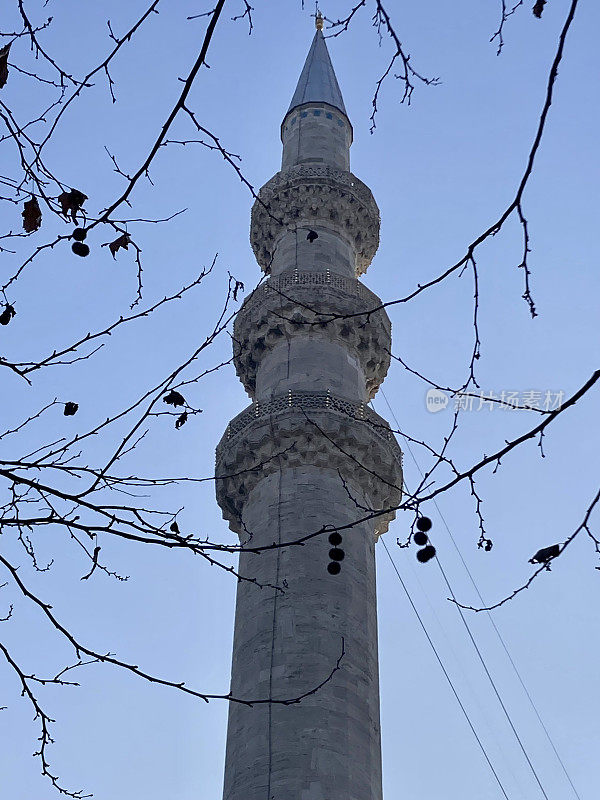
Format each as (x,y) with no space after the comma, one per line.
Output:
(290,366)
(292,250)
(327,747)
(282,465)
(316,133)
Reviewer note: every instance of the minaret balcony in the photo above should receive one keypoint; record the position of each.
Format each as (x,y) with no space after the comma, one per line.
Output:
(315,428)
(311,194)
(316,305)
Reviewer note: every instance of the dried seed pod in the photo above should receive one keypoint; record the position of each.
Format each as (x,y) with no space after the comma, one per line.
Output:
(426,554)
(8,313)
(80,249)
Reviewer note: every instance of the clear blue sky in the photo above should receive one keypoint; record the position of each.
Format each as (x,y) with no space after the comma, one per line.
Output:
(441,171)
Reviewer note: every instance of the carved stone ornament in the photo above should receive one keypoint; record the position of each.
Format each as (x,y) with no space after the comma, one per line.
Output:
(313,428)
(298,303)
(312,193)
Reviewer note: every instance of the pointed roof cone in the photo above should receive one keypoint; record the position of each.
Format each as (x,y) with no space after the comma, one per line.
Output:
(317,83)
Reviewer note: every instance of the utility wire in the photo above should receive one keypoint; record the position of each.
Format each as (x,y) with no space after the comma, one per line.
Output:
(451,641)
(497,631)
(510,658)
(492,682)
(441,663)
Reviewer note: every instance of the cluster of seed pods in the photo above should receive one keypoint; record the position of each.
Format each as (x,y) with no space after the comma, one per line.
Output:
(420,538)
(79,247)
(336,554)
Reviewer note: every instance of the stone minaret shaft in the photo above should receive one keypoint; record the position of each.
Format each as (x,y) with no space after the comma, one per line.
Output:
(309,452)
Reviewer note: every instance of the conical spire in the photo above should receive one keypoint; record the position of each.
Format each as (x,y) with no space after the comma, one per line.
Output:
(317,83)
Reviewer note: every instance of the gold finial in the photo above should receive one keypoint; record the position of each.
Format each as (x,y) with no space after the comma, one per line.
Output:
(319,21)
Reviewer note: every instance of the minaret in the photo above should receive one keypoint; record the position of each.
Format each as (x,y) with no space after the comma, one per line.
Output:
(309,452)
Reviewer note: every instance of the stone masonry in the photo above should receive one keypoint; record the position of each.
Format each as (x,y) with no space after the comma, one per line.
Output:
(311,347)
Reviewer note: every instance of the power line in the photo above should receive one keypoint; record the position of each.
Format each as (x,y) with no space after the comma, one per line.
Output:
(444,670)
(492,682)
(497,631)
(506,650)
(510,658)
(450,642)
